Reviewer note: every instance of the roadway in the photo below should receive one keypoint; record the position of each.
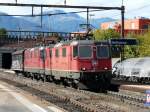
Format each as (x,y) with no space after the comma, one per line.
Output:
(12,100)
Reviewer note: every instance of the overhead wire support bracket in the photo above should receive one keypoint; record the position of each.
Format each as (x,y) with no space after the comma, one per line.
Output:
(122,9)
(28,15)
(61,6)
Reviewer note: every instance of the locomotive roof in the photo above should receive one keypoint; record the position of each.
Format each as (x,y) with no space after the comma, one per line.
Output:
(81,42)
(72,43)
(18,52)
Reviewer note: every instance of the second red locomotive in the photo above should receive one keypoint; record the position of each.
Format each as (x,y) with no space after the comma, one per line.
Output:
(83,63)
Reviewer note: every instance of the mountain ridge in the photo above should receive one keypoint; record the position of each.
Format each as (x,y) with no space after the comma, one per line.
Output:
(57,23)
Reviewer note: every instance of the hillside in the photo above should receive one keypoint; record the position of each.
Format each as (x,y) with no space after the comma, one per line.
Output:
(55,23)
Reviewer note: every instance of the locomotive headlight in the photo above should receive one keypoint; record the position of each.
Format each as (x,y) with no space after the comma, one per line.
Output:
(83,69)
(105,68)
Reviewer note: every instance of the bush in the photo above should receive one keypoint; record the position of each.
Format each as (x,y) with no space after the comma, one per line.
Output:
(105,34)
(3,33)
(143,47)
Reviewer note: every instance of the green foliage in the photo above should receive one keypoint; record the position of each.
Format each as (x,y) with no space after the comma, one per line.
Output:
(105,34)
(3,31)
(140,50)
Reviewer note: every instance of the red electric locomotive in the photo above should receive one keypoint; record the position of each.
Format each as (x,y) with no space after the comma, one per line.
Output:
(84,63)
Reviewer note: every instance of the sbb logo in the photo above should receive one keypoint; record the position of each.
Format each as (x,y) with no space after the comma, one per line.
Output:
(147,103)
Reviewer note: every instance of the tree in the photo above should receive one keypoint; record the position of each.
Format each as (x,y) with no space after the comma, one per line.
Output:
(144,44)
(140,50)
(131,50)
(3,33)
(105,34)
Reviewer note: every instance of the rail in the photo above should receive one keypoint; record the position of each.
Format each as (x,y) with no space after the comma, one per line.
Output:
(78,101)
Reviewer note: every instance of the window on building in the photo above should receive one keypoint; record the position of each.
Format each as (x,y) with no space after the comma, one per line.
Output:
(64,52)
(132,25)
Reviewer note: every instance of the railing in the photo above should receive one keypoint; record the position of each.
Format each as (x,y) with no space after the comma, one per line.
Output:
(21,38)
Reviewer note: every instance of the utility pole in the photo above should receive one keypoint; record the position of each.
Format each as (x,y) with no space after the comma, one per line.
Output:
(41,17)
(87,22)
(122,31)
(122,2)
(122,21)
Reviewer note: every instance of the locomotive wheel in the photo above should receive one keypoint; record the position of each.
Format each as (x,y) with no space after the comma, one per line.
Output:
(75,84)
(56,81)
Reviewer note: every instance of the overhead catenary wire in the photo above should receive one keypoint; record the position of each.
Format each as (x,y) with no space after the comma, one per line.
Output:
(122,8)
(33,15)
(139,8)
(129,11)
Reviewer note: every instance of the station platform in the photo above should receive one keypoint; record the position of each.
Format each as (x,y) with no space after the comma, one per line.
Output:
(14,100)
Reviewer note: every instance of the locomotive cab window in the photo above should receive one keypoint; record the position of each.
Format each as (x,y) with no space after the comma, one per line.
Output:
(85,51)
(102,51)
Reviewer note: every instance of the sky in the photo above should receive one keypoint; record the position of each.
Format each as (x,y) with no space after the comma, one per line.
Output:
(134,8)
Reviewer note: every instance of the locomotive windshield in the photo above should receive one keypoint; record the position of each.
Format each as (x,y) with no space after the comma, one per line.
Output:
(85,51)
(102,52)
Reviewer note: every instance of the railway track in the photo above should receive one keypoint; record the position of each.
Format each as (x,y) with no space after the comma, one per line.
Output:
(130,99)
(131,86)
(74,100)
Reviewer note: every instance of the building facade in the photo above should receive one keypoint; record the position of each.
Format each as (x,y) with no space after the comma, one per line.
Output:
(137,25)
